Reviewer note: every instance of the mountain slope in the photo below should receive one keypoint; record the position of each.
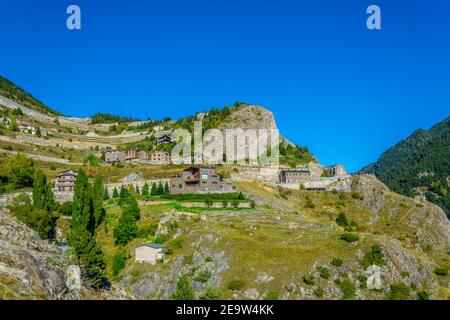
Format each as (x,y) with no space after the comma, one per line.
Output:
(419,165)
(17,94)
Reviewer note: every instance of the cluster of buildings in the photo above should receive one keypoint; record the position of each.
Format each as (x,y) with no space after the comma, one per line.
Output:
(131,155)
(335,177)
(199,179)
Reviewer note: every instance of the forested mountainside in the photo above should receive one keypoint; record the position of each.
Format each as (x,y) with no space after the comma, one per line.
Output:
(419,165)
(15,93)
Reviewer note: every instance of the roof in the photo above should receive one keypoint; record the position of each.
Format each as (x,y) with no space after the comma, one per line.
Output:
(70,171)
(152,245)
(198,168)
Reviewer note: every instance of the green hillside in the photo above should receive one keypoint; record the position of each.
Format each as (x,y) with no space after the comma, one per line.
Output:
(17,94)
(420,164)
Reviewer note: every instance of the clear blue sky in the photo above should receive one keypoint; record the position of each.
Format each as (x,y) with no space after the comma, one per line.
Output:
(346,92)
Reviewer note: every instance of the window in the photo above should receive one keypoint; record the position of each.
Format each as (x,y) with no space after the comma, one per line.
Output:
(204,176)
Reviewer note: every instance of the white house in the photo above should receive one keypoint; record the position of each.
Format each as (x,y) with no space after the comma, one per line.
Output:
(148,253)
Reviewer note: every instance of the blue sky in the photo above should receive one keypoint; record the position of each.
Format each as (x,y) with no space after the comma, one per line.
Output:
(346,92)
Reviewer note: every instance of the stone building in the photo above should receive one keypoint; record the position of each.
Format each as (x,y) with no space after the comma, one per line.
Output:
(199,179)
(294,176)
(160,157)
(336,170)
(112,157)
(28,128)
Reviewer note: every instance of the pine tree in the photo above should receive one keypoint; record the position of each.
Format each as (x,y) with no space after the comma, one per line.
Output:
(137,190)
(40,219)
(115,193)
(86,212)
(183,290)
(145,189)
(126,230)
(97,201)
(154,190)
(106,194)
(131,205)
(166,188)
(160,189)
(123,195)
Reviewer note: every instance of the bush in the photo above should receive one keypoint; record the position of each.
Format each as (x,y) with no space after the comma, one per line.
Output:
(176,243)
(348,289)
(362,281)
(203,276)
(236,285)
(349,237)
(375,256)
(149,230)
(272,295)
(324,273)
(208,259)
(441,272)
(188,259)
(161,238)
(319,292)
(341,220)
(399,291)
(357,196)
(309,203)
(309,279)
(211,293)
(119,262)
(423,295)
(337,262)
(183,290)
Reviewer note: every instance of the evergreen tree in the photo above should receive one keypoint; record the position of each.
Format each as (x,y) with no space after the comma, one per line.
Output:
(106,194)
(183,290)
(145,189)
(160,189)
(137,190)
(123,195)
(154,190)
(166,188)
(97,201)
(86,213)
(40,219)
(126,230)
(131,205)
(115,193)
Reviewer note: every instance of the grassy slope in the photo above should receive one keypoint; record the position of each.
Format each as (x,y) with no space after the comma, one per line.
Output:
(281,237)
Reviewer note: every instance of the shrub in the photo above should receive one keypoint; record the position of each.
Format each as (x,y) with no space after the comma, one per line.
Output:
(375,256)
(423,295)
(309,203)
(203,276)
(348,289)
(349,237)
(161,238)
(119,262)
(176,243)
(183,290)
(341,220)
(309,279)
(324,273)
(441,272)
(399,291)
(357,196)
(211,293)
(272,295)
(236,285)
(319,292)
(337,262)
(208,259)
(149,230)
(362,281)
(188,259)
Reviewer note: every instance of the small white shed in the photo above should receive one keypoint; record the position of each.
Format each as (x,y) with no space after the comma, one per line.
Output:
(148,253)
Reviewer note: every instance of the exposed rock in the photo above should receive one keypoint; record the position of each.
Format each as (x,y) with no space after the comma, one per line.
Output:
(73,277)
